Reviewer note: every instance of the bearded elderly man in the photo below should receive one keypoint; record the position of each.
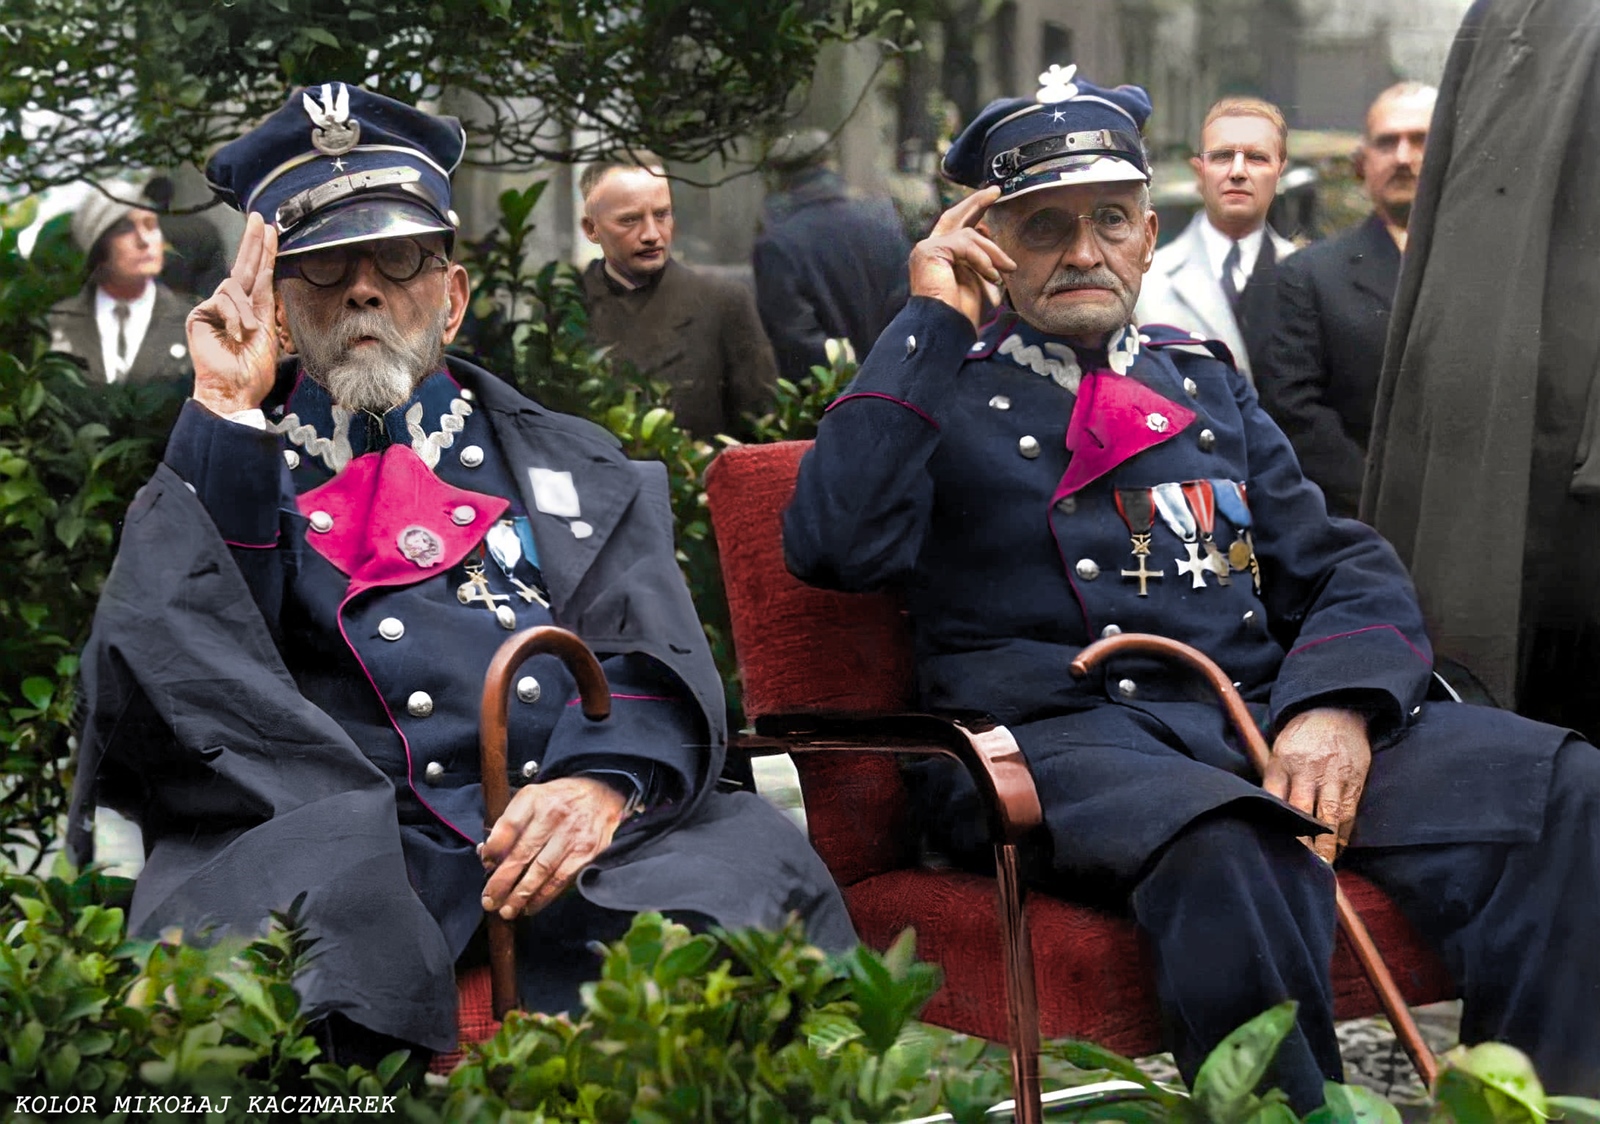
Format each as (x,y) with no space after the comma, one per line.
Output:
(287,664)
(1053,476)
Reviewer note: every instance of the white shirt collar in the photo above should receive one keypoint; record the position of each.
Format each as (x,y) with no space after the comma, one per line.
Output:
(140,310)
(1217,245)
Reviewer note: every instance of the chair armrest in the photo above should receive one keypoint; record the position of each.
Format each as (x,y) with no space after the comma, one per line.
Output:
(987,751)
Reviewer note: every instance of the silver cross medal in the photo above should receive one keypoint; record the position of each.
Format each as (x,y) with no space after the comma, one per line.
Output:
(475,591)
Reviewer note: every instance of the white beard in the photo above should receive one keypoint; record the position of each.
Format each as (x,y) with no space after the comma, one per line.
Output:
(374,378)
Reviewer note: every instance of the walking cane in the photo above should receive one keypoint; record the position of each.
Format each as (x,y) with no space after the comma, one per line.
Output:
(1355,931)
(596,696)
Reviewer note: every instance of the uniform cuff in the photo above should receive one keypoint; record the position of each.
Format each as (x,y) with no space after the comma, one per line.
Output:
(234,469)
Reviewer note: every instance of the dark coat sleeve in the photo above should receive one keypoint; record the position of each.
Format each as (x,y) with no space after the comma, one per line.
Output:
(787,313)
(1294,387)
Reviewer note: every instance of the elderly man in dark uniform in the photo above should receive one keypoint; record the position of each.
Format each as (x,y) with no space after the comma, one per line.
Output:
(287,665)
(1053,476)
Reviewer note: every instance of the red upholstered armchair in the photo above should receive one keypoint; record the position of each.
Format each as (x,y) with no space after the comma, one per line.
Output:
(828,678)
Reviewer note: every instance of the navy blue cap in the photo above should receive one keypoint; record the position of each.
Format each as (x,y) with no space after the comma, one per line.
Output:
(341,164)
(1070,132)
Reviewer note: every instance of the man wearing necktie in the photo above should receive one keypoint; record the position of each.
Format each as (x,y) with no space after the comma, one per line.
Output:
(1217,277)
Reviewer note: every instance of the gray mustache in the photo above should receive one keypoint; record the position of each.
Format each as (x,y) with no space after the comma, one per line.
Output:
(1069,279)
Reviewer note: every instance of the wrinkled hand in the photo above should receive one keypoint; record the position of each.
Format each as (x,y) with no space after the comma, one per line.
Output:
(955,260)
(549,832)
(1319,764)
(233,333)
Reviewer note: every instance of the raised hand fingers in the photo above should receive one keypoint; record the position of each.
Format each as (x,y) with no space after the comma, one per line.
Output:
(261,286)
(966,212)
(252,247)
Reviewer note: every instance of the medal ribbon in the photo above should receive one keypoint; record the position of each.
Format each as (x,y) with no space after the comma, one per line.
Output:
(1231,501)
(1175,511)
(1202,502)
(1136,508)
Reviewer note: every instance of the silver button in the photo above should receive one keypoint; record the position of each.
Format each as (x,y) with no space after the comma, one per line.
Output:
(911,346)
(1198,335)
(1000,402)
(1067,505)
(528,689)
(1110,630)
(420,704)
(455,219)
(1238,686)
(1416,710)
(580,529)
(1143,338)
(1087,569)
(291,458)
(467,394)
(472,456)
(321,522)
(391,628)
(507,616)
(1028,447)
(530,769)
(1128,688)
(977,346)
(1250,618)
(1191,388)
(1157,422)
(1208,440)
(463,515)
(434,773)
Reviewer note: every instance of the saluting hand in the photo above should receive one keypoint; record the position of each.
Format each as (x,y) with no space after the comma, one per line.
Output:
(233,333)
(1319,764)
(955,260)
(548,833)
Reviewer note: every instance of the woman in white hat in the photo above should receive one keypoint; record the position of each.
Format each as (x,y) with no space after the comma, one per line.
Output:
(124,325)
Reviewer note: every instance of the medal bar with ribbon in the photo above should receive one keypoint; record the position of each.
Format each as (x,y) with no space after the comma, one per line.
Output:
(1203,504)
(1233,502)
(1175,513)
(1138,511)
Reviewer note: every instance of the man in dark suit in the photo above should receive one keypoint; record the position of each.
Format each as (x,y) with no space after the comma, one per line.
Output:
(828,264)
(124,325)
(286,671)
(1333,313)
(698,333)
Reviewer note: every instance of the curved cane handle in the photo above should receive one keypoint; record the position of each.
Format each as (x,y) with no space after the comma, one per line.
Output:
(1355,930)
(1255,745)
(492,722)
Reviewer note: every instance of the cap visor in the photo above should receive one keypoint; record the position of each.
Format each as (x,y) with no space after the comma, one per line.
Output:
(363,220)
(1075,170)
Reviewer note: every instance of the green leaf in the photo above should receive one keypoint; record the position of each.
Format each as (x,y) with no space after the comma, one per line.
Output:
(320,35)
(38,691)
(1353,1104)
(1225,1086)
(1505,1070)
(1576,1108)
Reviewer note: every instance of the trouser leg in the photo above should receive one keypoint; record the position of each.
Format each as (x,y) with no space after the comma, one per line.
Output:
(1517,925)
(1241,918)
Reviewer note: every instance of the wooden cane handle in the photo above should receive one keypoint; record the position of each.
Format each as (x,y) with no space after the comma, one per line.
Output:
(492,737)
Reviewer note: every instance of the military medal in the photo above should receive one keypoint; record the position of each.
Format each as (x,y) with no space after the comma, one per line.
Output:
(1203,503)
(1139,513)
(475,590)
(1235,507)
(505,545)
(1175,513)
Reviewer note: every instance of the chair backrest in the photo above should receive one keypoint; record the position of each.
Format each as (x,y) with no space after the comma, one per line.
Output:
(808,651)
(801,650)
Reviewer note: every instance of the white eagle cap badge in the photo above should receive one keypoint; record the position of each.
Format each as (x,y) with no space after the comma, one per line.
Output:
(334,133)
(1055,84)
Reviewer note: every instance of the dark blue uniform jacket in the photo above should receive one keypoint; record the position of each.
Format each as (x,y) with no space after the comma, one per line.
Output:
(978,475)
(287,663)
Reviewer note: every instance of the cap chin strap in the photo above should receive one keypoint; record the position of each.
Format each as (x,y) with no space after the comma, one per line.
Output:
(299,207)
(1088,142)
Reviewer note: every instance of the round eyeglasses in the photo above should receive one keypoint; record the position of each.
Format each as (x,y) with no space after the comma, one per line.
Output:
(1050,228)
(398,259)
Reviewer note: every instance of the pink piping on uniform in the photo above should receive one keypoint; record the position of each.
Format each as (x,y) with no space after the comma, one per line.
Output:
(887,398)
(389,714)
(1356,632)
(255,545)
(633,698)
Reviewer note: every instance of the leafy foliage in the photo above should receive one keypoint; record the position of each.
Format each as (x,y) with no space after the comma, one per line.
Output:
(93,87)
(70,459)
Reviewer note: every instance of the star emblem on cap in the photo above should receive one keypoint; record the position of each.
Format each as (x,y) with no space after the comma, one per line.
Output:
(1057,116)
(1056,84)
